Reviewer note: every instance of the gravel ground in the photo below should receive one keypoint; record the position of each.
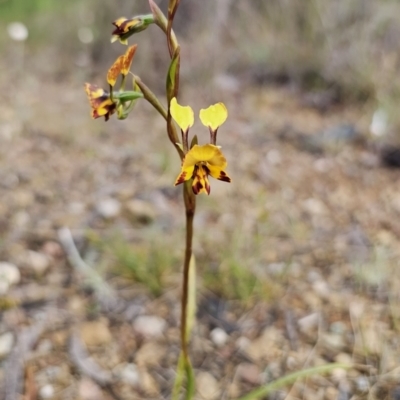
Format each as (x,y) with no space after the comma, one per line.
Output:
(311,215)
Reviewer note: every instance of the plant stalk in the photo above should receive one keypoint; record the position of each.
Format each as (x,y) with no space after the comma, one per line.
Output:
(190,208)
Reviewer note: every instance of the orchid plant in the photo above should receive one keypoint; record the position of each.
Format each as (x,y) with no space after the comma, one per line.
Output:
(198,162)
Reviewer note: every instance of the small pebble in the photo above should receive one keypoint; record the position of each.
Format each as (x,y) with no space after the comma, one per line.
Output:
(250,373)
(108,208)
(140,211)
(46,392)
(6,344)
(9,275)
(130,375)
(362,384)
(88,390)
(207,386)
(219,337)
(96,333)
(308,322)
(149,326)
(242,343)
(39,262)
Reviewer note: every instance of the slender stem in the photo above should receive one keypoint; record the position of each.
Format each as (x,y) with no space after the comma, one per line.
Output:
(190,208)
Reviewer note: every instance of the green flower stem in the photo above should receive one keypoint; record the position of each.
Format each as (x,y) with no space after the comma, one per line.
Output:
(190,208)
(162,21)
(153,100)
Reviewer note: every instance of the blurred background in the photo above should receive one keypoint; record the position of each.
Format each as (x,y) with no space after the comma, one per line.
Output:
(297,258)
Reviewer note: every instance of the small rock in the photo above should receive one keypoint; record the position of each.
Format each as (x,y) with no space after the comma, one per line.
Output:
(249,373)
(309,322)
(130,375)
(149,326)
(219,337)
(270,345)
(322,289)
(274,157)
(333,342)
(39,262)
(52,249)
(95,333)
(242,343)
(207,386)
(46,392)
(338,327)
(108,208)
(315,207)
(88,390)
(9,275)
(362,384)
(6,344)
(149,385)
(150,354)
(140,211)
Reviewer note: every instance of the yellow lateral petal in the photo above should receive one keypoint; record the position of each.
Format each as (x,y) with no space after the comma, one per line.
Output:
(218,173)
(183,116)
(214,116)
(185,174)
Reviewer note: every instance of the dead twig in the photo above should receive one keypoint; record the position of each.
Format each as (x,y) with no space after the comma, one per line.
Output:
(14,369)
(86,365)
(103,291)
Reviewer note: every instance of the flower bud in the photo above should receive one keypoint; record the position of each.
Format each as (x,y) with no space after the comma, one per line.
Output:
(126,27)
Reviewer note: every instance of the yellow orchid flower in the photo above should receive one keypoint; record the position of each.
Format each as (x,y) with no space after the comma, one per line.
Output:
(100,101)
(200,162)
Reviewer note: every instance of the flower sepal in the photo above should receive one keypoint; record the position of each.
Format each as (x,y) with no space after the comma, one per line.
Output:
(194,141)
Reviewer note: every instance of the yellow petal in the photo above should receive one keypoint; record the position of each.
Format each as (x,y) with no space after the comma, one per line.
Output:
(218,173)
(127,59)
(185,174)
(214,116)
(205,153)
(183,116)
(115,70)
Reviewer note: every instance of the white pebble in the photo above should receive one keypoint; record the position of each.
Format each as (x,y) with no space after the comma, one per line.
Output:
(219,337)
(9,275)
(17,31)
(108,208)
(46,392)
(6,343)
(39,262)
(149,326)
(130,375)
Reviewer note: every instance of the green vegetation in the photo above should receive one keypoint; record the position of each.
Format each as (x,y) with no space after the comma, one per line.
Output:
(147,263)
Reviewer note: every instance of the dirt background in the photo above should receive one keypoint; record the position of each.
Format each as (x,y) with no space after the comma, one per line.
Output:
(297,258)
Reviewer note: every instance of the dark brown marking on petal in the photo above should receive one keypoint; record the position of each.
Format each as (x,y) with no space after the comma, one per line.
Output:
(181,179)
(224,177)
(197,187)
(208,187)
